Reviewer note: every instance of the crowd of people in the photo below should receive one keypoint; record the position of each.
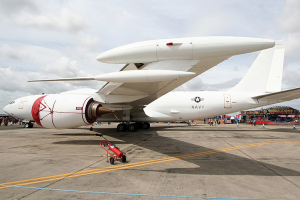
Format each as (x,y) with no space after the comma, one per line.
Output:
(8,121)
(213,122)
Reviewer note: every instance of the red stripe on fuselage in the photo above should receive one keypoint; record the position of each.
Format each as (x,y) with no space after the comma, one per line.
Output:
(35,111)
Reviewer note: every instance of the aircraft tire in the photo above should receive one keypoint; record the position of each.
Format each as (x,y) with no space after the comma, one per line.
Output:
(111,160)
(146,125)
(124,159)
(121,127)
(132,127)
(140,125)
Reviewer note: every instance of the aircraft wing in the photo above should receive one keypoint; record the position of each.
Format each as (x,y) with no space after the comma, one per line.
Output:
(150,91)
(139,84)
(285,95)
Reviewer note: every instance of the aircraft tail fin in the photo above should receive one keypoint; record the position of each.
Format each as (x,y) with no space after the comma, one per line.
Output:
(265,74)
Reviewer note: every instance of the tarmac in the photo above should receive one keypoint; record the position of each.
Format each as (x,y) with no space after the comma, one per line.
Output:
(173,161)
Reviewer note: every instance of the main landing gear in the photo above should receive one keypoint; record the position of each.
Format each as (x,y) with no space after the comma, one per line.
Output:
(133,127)
(28,125)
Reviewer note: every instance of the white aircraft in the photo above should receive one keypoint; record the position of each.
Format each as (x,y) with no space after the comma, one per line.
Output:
(139,93)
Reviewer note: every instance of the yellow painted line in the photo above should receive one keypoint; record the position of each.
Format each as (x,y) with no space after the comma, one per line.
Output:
(147,162)
(126,166)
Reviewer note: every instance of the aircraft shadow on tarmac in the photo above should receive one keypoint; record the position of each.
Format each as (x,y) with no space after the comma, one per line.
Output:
(223,163)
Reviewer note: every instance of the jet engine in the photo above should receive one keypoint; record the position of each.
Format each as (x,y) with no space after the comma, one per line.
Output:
(66,111)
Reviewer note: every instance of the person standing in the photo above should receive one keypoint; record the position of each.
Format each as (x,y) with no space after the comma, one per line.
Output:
(5,121)
(1,120)
(189,122)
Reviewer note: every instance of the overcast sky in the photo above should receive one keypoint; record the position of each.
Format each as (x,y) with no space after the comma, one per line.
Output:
(58,39)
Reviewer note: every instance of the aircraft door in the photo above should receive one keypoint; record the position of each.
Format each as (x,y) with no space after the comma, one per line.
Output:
(227,101)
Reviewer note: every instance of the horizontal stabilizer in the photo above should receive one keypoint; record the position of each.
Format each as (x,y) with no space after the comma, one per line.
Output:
(285,95)
(131,76)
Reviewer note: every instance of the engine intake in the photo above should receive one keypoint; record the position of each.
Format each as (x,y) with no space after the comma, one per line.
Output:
(66,111)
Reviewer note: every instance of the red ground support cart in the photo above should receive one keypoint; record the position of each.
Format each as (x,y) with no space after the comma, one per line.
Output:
(112,150)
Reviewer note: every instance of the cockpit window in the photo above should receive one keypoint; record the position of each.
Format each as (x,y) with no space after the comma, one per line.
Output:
(12,102)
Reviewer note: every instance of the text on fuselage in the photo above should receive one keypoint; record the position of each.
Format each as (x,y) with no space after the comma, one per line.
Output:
(198,107)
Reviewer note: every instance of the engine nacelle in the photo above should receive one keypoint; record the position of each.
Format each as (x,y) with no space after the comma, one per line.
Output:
(66,111)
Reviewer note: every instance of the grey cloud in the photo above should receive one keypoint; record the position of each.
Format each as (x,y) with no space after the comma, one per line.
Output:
(90,41)
(197,85)
(293,47)
(7,52)
(9,82)
(225,85)
(291,78)
(64,67)
(289,21)
(16,7)
(13,84)
(67,20)
(27,13)
(234,18)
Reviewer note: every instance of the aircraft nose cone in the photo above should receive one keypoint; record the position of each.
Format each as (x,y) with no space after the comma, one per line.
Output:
(106,57)
(6,109)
